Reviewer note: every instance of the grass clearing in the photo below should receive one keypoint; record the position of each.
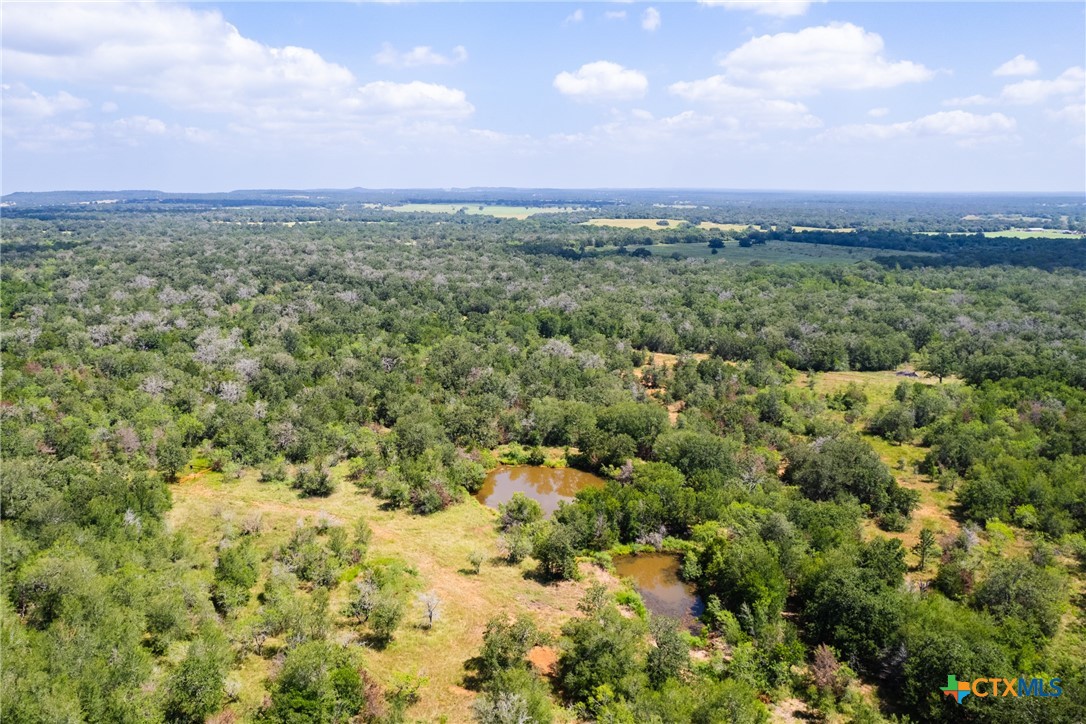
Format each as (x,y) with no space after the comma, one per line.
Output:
(935,506)
(436,546)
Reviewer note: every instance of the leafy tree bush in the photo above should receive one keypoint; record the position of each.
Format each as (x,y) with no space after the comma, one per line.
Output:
(744,572)
(236,572)
(603,649)
(553,547)
(313,481)
(519,511)
(846,465)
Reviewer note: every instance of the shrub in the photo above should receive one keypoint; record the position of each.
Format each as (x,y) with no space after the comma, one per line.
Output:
(314,481)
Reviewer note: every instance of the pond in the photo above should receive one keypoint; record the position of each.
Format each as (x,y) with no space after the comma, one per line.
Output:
(656,578)
(547,486)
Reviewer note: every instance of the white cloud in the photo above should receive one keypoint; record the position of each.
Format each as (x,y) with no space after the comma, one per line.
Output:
(776,8)
(749,103)
(966,128)
(650,19)
(602,80)
(109,107)
(1073,113)
(415,97)
(639,131)
(194,60)
(139,125)
(574,17)
(22,102)
(1068,86)
(973,100)
(825,57)
(1018,65)
(1070,83)
(763,77)
(418,56)
(615,15)
(878,112)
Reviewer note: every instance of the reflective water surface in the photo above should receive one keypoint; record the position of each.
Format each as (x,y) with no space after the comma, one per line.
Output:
(548,486)
(656,578)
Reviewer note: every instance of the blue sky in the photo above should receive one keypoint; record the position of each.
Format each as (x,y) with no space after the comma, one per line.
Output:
(740,95)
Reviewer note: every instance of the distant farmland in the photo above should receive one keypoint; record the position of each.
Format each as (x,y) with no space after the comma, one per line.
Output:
(501,212)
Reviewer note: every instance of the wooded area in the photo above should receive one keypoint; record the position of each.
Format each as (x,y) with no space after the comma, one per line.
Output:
(874,471)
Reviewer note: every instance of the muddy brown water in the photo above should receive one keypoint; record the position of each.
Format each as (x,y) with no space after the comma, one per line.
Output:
(547,486)
(656,578)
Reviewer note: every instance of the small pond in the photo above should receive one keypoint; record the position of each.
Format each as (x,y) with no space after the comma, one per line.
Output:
(547,486)
(656,578)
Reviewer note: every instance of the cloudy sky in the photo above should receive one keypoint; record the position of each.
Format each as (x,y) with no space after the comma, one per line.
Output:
(920,96)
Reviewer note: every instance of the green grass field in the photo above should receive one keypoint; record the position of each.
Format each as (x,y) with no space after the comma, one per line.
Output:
(502,212)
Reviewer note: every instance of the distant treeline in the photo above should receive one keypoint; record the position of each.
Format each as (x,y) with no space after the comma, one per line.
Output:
(953,249)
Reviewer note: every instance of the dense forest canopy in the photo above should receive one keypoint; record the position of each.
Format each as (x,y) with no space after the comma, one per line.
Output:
(873,469)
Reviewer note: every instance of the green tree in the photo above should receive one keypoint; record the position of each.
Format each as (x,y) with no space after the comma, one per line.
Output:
(171,456)
(670,656)
(925,547)
(236,571)
(885,558)
(744,572)
(194,690)
(519,511)
(385,616)
(554,548)
(505,646)
(605,649)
